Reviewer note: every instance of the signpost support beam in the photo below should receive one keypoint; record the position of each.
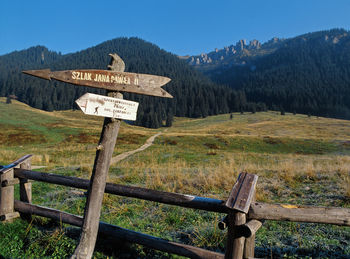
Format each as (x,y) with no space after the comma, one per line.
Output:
(97,186)
(96,189)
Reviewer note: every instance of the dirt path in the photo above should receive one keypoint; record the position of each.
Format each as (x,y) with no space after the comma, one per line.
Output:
(124,155)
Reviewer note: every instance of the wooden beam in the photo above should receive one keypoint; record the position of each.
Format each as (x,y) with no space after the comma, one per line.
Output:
(297,213)
(183,200)
(249,229)
(9,216)
(97,186)
(120,233)
(257,210)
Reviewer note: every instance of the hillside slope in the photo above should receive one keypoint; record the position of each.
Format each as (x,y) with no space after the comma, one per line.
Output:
(306,74)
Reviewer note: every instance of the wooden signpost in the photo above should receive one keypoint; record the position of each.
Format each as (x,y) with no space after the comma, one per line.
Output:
(113,107)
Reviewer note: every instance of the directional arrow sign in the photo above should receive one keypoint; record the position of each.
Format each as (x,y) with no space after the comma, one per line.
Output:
(110,80)
(99,105)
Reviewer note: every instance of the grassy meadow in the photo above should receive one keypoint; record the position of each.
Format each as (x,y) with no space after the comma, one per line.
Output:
(299,160)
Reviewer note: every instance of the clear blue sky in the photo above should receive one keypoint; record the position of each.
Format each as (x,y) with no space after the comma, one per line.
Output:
(179,26)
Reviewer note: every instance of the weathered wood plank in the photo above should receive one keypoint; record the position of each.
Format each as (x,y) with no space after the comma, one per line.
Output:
(189,201)
(297,213)
(109,80)
(242,192)
(120,233)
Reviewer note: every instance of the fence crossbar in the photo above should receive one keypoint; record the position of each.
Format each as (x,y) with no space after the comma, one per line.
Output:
(119,233)
(183,200)
(257,210)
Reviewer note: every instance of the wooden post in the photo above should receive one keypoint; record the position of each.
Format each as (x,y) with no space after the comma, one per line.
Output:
(97,186)
(7,196)
(7,188)
(25,188)
(249,245)
(239,201)
(235,242)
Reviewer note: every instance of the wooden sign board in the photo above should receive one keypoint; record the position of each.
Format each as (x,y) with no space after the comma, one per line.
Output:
(110,80)
(99,105)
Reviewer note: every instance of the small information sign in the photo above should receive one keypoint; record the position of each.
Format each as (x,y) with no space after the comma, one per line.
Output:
(99,105)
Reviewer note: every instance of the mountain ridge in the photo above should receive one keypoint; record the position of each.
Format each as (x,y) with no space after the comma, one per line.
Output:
(237,52)
(307,74)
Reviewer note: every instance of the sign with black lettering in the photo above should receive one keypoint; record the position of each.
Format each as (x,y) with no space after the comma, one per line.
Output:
(99,105)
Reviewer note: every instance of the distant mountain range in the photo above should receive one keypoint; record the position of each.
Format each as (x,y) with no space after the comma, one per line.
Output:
(307,74)
(233,55)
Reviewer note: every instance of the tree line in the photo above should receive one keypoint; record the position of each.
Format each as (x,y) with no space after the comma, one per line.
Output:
(308,74)
(195,95)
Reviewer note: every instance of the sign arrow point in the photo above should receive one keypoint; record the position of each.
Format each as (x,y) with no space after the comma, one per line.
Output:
(82,101)
(43,73)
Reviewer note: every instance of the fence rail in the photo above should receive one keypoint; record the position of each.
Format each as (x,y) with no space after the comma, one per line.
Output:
(257,210)
(242,220)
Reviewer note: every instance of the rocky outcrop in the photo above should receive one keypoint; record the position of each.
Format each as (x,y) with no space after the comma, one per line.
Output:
(228,52)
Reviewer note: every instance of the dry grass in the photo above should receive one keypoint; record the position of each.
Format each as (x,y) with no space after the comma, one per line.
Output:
(264,124)
(200,168)
(194,157)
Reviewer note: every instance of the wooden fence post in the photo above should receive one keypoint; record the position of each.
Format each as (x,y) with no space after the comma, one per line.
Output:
(7,212)
(7,188)
(238,202)
(249,245)
(25,187)
(235,242)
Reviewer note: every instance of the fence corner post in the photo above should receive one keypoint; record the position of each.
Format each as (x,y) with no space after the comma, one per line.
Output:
(235,243)
(7,198)
(238,204)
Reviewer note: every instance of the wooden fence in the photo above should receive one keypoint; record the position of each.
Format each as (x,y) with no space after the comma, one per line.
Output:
(242,220)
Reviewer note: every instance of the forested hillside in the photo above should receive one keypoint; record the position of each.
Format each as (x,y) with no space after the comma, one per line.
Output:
(307,74)
(194,94)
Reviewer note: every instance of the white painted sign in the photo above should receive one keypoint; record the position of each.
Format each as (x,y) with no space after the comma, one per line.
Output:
(99,105)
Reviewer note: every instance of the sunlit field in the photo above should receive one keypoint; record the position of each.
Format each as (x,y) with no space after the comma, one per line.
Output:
(299,160)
